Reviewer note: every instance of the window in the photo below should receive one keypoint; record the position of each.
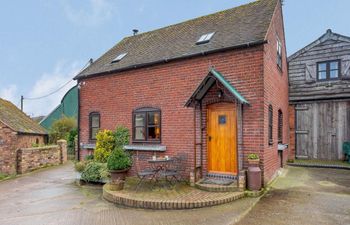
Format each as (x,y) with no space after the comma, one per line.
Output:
(119,57)
(146,125)
(270,125)
(205,38)
(328,70)
(279,53)
(280,126)
(94,124)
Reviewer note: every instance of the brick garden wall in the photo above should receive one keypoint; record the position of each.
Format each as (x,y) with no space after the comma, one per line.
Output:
(29,159)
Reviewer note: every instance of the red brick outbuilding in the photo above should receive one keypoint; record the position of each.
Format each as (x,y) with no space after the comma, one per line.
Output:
(210,90)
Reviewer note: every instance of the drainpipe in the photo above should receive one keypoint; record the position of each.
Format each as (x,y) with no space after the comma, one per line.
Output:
(78,120)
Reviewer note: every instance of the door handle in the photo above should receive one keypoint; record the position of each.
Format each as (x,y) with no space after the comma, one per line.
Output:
(209,138)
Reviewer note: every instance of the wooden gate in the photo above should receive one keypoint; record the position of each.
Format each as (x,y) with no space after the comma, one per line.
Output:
(321,128)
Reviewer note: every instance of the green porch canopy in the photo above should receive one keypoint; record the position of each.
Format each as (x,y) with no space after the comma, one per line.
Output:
(208,82)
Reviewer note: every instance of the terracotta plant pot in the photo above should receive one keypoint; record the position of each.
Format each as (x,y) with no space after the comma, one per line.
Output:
(253,162)
(117,185)
(117,175)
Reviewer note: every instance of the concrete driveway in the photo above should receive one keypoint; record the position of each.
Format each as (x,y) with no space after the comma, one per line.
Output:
(305,196)
(50,197)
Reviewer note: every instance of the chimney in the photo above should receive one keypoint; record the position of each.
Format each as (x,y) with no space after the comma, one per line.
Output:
(135,31)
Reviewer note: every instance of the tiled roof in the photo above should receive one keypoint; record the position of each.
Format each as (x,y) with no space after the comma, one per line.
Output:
(18,120)
(246,24)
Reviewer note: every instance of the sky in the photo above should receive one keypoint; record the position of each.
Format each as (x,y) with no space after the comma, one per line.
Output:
(44,44)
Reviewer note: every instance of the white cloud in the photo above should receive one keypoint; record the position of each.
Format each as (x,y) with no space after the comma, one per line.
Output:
(91,14)
(10,93)
(46,84)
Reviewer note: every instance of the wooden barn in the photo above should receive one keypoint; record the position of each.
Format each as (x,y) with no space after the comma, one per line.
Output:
(319,95)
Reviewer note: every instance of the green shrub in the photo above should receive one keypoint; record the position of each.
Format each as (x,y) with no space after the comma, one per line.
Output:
(70,137)
(105,143)
(89,157)
(94,172)
(60,128)
(80,166)
(122,136)
(253,156)
(119,160)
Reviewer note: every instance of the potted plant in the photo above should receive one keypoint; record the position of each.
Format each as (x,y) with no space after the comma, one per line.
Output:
(253,160)
(118,163)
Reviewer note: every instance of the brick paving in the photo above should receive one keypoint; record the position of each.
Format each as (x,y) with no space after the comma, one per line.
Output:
(180,196)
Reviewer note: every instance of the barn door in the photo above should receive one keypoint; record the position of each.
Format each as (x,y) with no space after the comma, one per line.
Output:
(321,129)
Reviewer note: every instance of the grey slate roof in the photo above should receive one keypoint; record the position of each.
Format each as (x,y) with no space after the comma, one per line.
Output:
(246,24)
(17,120)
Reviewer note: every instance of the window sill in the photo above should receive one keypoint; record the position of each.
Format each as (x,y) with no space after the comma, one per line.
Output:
(152,148)
(88,146)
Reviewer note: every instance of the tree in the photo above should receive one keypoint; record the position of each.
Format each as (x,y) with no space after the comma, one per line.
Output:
(60,128)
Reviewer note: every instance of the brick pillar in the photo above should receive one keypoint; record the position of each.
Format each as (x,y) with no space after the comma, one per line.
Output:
(62,144)
(291,110)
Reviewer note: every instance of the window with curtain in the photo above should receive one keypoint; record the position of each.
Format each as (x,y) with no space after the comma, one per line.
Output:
(147,125)
(94,118)
(270,134)
(280,126)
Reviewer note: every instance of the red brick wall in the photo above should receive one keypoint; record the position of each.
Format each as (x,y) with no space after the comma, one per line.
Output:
(276,94)
(168,87)
(291,132)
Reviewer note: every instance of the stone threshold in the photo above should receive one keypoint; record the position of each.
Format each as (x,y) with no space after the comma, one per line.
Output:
(169,204)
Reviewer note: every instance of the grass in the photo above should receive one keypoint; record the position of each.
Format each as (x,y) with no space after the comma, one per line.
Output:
(322,162)
(3,176)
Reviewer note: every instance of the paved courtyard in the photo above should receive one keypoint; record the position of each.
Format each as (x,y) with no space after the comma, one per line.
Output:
(305,196)
(49,196)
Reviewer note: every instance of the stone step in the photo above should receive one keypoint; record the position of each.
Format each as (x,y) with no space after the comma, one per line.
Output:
(217,188)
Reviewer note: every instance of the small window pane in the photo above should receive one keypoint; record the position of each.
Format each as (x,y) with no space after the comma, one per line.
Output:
(153,133)
(322,75)
(139,120)
(334,65)
(95,121)
(94,131)
(139,133)
(153,118)
(222,119)
(333,74)
(322,66)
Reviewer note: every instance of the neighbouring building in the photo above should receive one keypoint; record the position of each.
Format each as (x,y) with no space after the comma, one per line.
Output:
(17,130)
(319,95)
(210,90)
(67,108)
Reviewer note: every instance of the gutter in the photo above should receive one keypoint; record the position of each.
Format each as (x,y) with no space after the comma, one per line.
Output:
(141,65)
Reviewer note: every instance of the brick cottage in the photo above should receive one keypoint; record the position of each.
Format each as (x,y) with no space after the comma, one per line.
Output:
(17,130)
(210,90)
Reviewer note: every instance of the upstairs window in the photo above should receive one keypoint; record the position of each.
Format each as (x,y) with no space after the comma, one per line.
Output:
(146,125)
(270,125)
(279,53)
(205,38)
(328,70)
(280,126)
(94,124)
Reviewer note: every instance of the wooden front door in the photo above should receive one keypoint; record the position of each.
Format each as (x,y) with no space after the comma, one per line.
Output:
(222,138)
